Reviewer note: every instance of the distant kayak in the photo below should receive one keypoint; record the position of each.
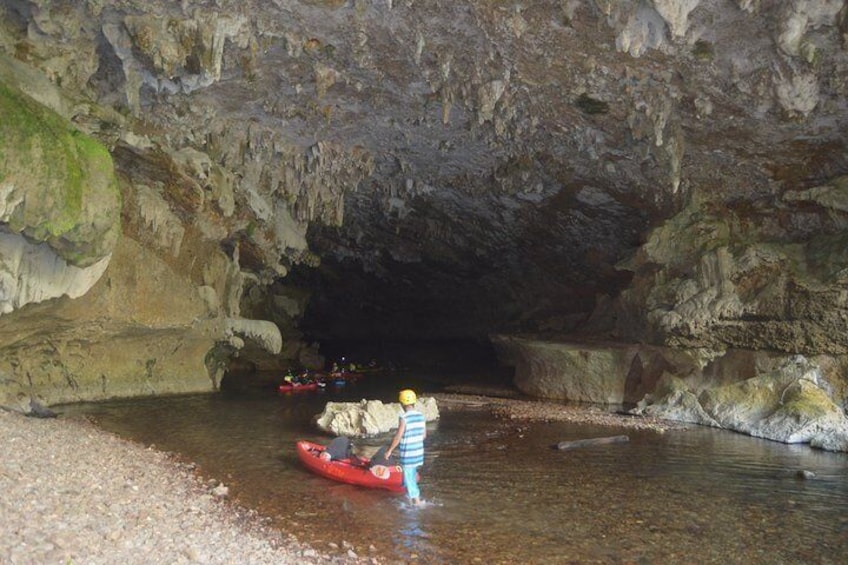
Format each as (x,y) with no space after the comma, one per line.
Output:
(289,387)
(352,471)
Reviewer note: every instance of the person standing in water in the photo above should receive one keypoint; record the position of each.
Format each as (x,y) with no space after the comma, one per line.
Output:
(410,435)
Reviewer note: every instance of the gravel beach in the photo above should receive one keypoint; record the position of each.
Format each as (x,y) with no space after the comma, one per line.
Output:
(74,494)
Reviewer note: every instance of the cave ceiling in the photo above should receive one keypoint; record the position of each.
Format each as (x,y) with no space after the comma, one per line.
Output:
(457,168)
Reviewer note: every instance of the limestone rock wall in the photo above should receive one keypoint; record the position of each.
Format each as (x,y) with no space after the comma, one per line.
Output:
(601,373)
(581,374)
(751,278)
(124,337)
(788,398)
(152,310)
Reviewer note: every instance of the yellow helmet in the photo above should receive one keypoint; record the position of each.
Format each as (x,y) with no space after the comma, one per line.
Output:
(407,397)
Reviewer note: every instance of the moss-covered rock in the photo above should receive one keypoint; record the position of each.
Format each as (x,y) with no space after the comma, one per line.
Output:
(792,403)
(734,406)
(57,185)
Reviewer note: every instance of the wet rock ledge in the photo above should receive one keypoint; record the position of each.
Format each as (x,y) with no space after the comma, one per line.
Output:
(76,494)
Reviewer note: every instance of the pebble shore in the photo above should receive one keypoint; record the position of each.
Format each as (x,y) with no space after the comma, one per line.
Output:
(72,493)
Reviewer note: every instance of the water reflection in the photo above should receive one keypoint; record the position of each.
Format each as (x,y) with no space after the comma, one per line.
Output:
(498,493)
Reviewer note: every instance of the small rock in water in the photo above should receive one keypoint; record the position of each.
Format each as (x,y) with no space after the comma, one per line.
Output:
(38,410)
(804,474)
(221,491)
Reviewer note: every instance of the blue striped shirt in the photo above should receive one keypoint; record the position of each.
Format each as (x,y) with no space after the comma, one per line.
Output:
(412,442)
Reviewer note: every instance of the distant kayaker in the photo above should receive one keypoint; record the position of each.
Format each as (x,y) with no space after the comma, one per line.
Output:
(410,436)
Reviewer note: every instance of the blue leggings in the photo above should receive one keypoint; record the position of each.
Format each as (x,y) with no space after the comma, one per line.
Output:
(410,481)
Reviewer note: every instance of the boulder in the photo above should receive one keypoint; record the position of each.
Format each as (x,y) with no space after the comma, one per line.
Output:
(368,418)
(59,205)
(791,404)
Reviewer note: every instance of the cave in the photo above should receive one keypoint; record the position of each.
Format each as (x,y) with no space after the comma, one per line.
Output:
(602,202)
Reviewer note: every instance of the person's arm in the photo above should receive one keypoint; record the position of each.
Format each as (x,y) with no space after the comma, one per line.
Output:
(396,439)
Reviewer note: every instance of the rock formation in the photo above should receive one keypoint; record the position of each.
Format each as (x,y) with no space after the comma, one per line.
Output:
(791,404)
(369,417)
(59,205)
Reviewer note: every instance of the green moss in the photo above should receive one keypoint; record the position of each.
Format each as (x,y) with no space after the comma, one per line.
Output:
(703,50)
(807,408)
(688,235)
(808,401)
(28,131)
(811,53)
(753,395)
(65,177)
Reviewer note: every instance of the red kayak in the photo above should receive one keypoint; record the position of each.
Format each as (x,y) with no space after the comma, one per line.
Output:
(289,387)
(351,471)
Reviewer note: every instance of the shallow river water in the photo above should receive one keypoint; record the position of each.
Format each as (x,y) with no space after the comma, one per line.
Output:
(497,492)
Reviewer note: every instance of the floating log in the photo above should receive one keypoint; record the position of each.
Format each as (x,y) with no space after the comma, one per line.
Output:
(565,445)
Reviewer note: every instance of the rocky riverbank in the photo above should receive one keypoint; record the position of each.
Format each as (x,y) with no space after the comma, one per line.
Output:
(75,494)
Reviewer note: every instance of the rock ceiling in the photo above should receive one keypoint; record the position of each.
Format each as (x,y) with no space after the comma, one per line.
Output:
(442,168)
